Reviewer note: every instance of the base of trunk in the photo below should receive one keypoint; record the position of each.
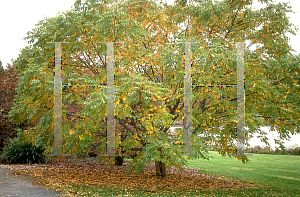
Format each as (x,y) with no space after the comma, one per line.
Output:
(160,168)
(119,160)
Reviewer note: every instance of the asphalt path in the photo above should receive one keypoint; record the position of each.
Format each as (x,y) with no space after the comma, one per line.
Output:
(21,186)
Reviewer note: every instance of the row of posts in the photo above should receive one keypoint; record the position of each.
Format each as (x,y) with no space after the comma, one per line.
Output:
(110,101)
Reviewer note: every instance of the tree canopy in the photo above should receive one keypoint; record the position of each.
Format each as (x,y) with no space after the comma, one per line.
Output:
(149,75)
(8,83)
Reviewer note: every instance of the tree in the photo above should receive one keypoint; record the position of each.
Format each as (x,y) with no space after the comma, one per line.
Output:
(149,76)
(1,67)
(8,83)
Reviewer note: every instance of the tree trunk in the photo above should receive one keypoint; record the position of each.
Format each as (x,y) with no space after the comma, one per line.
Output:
(119,160)
(160,168)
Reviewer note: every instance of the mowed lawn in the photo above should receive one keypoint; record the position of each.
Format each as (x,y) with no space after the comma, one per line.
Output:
(275,175)
(278,174)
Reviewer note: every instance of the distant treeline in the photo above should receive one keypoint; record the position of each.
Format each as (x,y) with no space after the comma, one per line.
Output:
(276,151)
(294,150)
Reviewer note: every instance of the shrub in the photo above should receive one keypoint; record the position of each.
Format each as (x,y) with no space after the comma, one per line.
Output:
(17,152)
(258,150)
(277,151)
(294,151)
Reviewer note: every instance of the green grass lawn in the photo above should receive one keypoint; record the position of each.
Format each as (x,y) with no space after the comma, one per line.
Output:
(277,175)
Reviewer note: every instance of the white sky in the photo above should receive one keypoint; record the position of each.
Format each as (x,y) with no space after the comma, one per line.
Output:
(19,16)
(274,135)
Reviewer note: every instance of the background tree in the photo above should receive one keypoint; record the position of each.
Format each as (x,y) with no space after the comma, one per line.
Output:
(8,83)
(149,76)
(1,67)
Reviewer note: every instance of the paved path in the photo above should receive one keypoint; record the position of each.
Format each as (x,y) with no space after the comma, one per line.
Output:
(11,185)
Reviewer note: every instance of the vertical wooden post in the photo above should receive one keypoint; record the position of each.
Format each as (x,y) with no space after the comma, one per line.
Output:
(57,102)
(110,100)
(240,100)
(187,102)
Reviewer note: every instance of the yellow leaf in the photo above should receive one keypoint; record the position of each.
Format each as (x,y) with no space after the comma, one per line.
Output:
(71,131)
(178,142)
(153,98)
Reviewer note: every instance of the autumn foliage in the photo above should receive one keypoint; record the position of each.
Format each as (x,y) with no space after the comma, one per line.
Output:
(149,76)
(8,83)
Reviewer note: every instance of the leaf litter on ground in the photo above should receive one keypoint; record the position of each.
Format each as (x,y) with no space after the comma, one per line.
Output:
(88,172)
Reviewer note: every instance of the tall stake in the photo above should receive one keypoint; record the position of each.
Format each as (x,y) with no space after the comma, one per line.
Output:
(57,102)
(110,100)
(187,101)
(240,100)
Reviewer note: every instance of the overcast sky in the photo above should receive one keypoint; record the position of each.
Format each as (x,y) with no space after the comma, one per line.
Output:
(19,16)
